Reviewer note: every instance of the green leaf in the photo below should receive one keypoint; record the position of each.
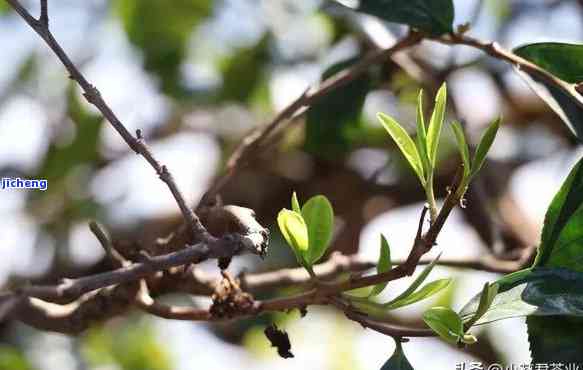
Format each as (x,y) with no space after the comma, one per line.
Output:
(425,292)
(383,265)
(295,203)
(484,146)
(405,144)
(556,339)
(539,292)
(436,123)
(416,283)
(421,138)
(398,361)
(489,292)
(562,239)
(565,61)
(294,230)
(319,217)
(445,322)
(433,16)
(462,145)
(334,122)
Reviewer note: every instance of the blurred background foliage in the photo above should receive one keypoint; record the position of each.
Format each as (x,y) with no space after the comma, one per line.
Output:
(196,76)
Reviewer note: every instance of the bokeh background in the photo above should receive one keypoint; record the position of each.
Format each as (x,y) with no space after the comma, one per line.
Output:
(196,76)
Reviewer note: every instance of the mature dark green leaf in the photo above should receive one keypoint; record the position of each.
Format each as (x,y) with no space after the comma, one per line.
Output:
(556,339)
(561,241)
(398,361)
(433,16)
(335,119)
(162,33)
(383,265)
(565,61)
(551,291)
(541,292)
(319,217)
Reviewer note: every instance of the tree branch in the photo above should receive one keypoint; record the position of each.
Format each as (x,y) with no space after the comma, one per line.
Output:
(249,145)
(93,96)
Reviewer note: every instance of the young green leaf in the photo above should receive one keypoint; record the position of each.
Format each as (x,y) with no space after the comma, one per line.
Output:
(398,361)
(486,298)
(484,146)
(416,283)
(435,124)
(295,203)
(425,292)
(319,217)
(405,144)
(445,322)
(383,265)
(462,145)
(421,138)
(294,230)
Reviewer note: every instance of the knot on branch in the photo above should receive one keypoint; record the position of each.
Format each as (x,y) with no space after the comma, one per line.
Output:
(92,95)
(229,300)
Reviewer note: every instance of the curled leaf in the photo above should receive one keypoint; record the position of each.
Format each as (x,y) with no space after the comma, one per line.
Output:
(295,203)
(293,229)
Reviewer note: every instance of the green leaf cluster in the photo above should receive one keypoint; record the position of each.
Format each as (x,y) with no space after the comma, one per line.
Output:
(421,154)
(413,294)
(551,290)
(308,229)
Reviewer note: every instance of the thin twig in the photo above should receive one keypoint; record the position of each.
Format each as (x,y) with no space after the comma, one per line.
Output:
(93,96)
(116,258)
(381,327)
